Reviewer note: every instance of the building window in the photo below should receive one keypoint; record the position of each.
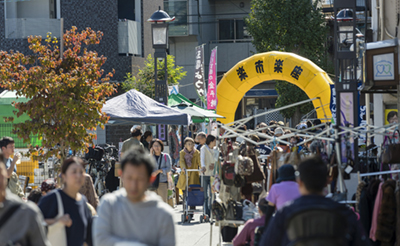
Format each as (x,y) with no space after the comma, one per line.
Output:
(26,18)
(126,10)
(232,30)
(179,9)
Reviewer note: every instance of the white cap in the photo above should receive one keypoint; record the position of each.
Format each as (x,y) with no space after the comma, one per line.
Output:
(135,127)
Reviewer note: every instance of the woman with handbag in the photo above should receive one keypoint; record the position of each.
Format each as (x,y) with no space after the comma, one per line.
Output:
(164,165)
(65,210)
(189,159)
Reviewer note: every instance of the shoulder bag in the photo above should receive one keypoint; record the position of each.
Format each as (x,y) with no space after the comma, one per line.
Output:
(391,152)
(234,210)
(154,185)
(57,234)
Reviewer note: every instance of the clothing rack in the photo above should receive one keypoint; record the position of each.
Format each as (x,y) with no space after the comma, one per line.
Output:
(379,173)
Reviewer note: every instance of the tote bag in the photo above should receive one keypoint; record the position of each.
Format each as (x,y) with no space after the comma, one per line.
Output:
(57,234)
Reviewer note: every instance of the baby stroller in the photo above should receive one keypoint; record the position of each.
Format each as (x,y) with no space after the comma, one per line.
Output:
(194,197)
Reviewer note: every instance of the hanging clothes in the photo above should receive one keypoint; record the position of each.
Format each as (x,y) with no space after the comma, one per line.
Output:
(385,231)
(360,188)
(366,204)
(397,194)
(377,207)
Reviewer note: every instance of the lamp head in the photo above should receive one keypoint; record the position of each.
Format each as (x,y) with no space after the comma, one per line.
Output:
(160,16)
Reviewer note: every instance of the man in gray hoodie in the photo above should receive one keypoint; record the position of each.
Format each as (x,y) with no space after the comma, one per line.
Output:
(132,214)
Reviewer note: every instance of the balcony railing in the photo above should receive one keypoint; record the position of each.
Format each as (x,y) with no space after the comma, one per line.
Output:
(129,37)
(25,27)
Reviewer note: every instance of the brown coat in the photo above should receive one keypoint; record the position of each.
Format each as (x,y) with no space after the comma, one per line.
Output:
(194,177)
(385,231)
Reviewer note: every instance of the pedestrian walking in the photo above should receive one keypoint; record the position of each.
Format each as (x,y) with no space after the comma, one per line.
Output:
(146,139)
(134,140)
(189,159)
(20,223)
(77,217)
(164,166)
(89,191)
(285,190)
(35,195)
(132,214)
(207,165)
(313,219)
(201,138)
(7,146)
(47,186)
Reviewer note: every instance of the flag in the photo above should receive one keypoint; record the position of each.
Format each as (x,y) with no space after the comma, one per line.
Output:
(199,83)
(212,81)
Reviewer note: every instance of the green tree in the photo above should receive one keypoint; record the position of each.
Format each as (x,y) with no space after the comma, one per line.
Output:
(144,80)
(296,26)
(65,94)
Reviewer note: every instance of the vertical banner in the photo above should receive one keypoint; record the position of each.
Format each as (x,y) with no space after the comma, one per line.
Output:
(212,81)
(199,83)
(347,119)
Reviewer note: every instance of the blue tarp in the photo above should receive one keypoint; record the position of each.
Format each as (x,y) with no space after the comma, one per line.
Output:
(135,107)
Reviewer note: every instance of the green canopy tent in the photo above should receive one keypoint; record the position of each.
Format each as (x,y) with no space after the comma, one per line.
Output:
(198,114)
(6,110)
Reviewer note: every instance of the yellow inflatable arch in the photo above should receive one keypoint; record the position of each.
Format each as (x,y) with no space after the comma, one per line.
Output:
(272,66)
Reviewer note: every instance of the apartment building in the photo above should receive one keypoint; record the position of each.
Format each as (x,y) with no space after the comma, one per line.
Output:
(127,35)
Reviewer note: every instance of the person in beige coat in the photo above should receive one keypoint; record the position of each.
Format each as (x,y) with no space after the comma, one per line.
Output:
(189,159)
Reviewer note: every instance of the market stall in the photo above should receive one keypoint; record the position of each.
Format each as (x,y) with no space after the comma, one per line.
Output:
(135,107)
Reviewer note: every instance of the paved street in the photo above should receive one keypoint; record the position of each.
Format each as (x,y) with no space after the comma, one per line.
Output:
(194,234)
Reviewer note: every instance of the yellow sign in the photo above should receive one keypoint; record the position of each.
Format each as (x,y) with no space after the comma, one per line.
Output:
(273,66)
(393,116)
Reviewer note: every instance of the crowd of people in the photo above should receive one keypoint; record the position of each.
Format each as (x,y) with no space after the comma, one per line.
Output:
(61,214)
(138,212)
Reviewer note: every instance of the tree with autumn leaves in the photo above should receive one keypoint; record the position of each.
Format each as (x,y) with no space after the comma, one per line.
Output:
(65,93)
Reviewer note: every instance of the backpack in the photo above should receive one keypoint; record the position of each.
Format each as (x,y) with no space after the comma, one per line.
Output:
(245,166)
(239,181)
(317,226)
(218,210)
(228,173)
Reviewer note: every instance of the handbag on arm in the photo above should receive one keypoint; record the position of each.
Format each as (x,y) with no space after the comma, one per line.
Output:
(57,234)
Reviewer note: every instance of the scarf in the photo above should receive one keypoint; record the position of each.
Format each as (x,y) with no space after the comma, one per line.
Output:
(189,157)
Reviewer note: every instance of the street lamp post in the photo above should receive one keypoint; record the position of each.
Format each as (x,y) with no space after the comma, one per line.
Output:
(159,29)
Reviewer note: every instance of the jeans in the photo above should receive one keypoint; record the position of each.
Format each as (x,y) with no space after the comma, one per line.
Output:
(207,195)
